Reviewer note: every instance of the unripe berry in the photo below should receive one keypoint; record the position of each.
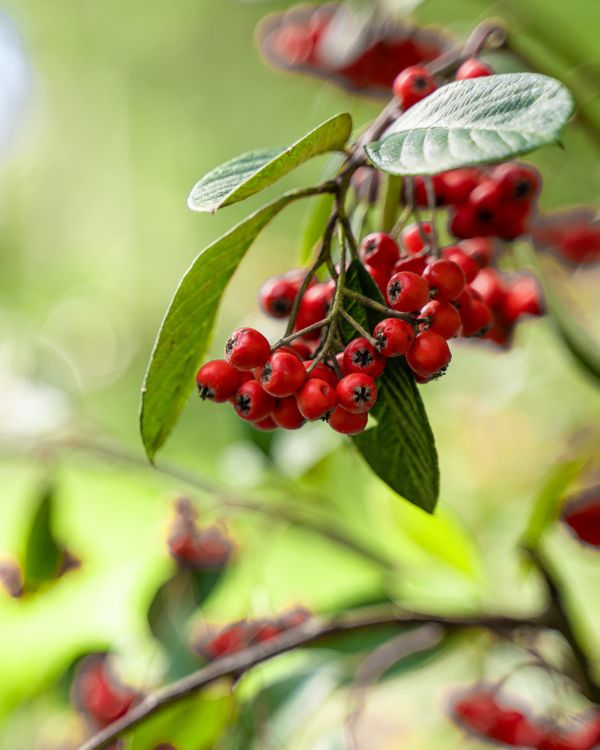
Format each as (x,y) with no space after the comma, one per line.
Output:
(415,237)
(347,423)
(446,279)
(444,318)
(413,84)
(247,349)
(285,413)
(357,392)
(316,399)
(394,336)
(322,372)
(517,182)
(277,296)
(468,264)
(361,356)
(429,354)
(407,291)
(473,68)
(217,381)
(379,251)
(251,402)
(282,374)
(476,319)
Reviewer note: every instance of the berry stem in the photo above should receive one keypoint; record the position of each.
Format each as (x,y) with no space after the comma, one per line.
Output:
(357,327)
(298,334)
(387,311)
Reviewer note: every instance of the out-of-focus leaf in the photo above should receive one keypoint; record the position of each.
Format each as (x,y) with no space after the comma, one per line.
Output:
(185,333)
(43,554)
(550,497)
(476,121)
(315,225)
(252,172)
(193,723)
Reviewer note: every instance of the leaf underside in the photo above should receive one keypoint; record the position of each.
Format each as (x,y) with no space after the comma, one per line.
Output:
(472,122)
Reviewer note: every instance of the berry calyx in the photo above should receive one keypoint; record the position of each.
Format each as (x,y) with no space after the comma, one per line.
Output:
(393,336)
(282,374)
(407,292)
(316,399)
(247,349)
(429,354)
(217,381)
(357,392)
(413,84)
(361,356)
(251,402)
(347,423)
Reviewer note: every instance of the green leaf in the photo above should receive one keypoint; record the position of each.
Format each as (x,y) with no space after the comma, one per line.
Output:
(193,723)
(185,332)
(400,449)
(254,171)
(315,225)
(476,121)
(549,499)
(43,554)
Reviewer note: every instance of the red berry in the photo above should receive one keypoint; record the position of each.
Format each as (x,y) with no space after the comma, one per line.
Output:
(490,287)
(413,84)
(473,68)
(217,381)
(406,291)
(476,711)
(582,516)
(414,264)
(514,728)
(341,420)
(99,695)
(314,306)
(282,374)
(444,318)
(357,392)
(429,354)
(361,356)
(247,349)
(301,348)
(517,182)
(316,399)
(229,640)
(266,425)
(415,237)
(446,279)
(266,631)
(323,372)
(480,249)
(455,187)
(380,276)
(513,220)
(468,264)
(379,251)
(486,200)
(251,402)
(286,415)
(464,224)
(523,297)
(476,319)
(394,337)
(277,296)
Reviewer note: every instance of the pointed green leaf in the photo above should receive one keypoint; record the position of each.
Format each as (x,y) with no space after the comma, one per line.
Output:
(476,121)
(185,332)
(43,554)
(252,172)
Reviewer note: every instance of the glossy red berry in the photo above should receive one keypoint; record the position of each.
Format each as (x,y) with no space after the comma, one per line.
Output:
(380,276)
(413,84)
(468,264)
(286,414)
(379,251)
(301,348)
(523,297)
(393,336)
(407,291)
(446,279)
(489,286)
(444,318)
(361,356)
(473,68)
(277,296)
(265,425)
(477,318)
(314,306)
(415,237)
(455,187)
(282,374)
(217,381)
(414,264)
(429,354)
(247,349)
(323,372)
(487,201)
(357,392)
(316,399)
(517,182)
(251,402)
(347,423)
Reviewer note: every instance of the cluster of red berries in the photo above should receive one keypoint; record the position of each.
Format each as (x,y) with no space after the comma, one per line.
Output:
(245,633)
(194,547)
(99,695)
(480,712)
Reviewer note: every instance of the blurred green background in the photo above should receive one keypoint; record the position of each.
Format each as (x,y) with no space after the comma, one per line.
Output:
(128,105)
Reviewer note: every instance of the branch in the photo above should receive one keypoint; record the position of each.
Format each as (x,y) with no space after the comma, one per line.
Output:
(308,633)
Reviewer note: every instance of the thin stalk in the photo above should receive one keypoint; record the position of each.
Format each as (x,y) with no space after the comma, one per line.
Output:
(357,327)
